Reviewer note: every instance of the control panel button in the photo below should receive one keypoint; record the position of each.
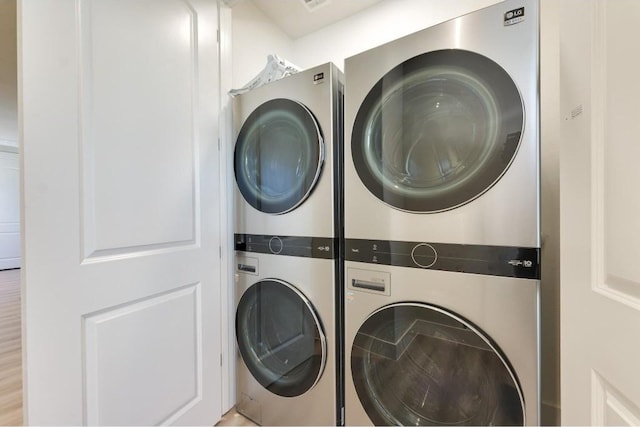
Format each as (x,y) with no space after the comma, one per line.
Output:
(275,245)
(424,255)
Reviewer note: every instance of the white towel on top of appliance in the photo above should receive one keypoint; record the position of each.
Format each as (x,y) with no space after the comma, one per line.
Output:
(275,69)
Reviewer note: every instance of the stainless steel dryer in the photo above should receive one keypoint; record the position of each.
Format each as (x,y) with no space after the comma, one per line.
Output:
(288,204)
(442,132)
(286,155)
(442,224)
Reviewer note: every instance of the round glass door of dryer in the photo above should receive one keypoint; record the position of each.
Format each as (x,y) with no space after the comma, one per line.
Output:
(280,338)
(437,131)
(416,364)
(278,156)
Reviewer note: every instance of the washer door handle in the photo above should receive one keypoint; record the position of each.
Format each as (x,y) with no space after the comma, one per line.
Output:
(365,284)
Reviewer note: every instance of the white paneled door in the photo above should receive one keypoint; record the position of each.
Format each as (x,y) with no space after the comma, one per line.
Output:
(118,107)
(9,210)
(600,221)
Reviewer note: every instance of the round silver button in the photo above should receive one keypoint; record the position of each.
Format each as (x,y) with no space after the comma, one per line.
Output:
(424,255)
(275,245)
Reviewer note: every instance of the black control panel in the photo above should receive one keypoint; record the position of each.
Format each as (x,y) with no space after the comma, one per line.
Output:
(479,259)
(300,246)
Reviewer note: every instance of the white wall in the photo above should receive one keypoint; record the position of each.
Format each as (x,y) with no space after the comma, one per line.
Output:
(254,36)
(381,23)
(8,74)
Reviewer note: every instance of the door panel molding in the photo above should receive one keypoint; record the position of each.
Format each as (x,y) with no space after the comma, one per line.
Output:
(120,130)
(609,407)
(116,337)
(616,272)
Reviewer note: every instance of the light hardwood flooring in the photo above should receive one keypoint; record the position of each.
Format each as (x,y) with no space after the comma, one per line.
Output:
(10,349)
(233,418)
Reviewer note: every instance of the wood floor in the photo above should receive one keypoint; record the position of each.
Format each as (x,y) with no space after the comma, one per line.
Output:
(10,349)
(233,418)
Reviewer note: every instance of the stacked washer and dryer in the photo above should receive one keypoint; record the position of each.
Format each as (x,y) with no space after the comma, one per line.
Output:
(441,233)
(442,224)
(288,267)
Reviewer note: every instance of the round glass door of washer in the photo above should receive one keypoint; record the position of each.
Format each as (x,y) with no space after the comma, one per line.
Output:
(278,156)
(437,131)
(280,338)
(416,364)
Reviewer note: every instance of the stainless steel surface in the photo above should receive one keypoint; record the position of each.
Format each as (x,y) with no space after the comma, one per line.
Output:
(505,309)
(314,216)
(314,278)
(508,213)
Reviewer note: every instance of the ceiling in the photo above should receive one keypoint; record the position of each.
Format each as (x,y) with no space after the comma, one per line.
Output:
(296,19)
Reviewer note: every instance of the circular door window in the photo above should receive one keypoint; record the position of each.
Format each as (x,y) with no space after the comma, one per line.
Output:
(280,338)
(416,364)
(437,131)
(278,156)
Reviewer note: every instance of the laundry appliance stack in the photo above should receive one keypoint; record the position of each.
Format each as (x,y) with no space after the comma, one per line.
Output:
(442,224)
(287,233)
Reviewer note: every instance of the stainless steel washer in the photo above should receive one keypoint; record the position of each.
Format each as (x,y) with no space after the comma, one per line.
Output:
(428,347)
(287,368)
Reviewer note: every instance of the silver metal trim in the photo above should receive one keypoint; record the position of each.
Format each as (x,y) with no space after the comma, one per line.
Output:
(320,160)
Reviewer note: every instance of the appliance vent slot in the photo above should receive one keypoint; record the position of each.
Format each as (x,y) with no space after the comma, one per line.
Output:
(313,5)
